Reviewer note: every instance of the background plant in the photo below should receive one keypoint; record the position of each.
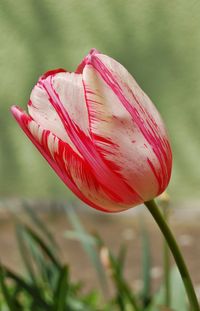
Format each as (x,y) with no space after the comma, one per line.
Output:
(46,282)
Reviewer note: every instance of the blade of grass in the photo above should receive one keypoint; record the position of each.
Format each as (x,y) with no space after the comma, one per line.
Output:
(178,296)
(33,291)
(40,225)
(90,249)
(61,290)
(45,269)
(46,249)
(77,305)
(40,262)
(6,292)
(46,265)
(122,255)
(166,262)
(25,255)
(37,248)
(121,299)
(146,266)
(84,238)
(123,289)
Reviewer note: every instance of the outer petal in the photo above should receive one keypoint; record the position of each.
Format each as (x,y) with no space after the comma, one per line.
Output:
(69,166)
(70,90)
(126,126)
(81,66)
(110,180)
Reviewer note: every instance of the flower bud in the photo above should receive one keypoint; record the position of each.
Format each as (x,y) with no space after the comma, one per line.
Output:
(100,133)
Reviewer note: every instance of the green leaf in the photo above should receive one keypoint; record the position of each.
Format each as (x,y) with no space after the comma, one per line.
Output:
(122,255)
(46,249)
(178,294)
(40,225)
(179,300)
(60,296)
(6,292)
(34,292)
(45,263)
(146,266)
(77,305)
(25,255)
(124,294)
(87,243)
(83,238)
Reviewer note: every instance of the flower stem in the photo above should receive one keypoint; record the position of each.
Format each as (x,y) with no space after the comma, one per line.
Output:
(166,264)
(157,215)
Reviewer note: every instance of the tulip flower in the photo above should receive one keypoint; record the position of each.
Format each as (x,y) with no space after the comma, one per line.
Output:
(105,139)
(100,133)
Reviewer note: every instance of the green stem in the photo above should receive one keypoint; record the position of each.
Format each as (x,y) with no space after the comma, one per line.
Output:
(157,215)
(166,264)
(131,297)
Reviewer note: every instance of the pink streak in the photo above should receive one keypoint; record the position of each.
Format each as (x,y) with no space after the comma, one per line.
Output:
(151,136)
(85,60)
(111,181)
(23,119)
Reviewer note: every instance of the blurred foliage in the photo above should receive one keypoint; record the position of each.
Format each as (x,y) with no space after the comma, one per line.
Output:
(158,41)
(46,283)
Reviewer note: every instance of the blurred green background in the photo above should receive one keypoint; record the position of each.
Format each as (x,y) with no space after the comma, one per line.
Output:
(159,43)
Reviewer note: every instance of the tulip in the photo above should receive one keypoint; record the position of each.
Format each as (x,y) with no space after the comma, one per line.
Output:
(100,133)
(105,139)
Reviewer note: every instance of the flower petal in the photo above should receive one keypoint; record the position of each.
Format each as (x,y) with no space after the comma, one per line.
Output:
(126,127)
(69,166)
(70,90)
(85,60)
(103,170)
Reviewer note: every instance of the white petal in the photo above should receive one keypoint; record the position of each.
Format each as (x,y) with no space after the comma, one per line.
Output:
(41,110)
(73,170)
(132,90)
(69,87)
(117,136)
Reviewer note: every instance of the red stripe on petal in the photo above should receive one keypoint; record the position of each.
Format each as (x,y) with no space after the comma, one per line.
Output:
(52,73)
(111,181)
(85,60)
(157,142)
(23,119)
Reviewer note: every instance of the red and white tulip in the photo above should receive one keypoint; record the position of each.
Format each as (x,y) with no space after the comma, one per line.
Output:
(100,133)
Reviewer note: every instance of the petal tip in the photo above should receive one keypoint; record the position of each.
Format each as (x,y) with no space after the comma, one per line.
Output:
(94,51)
(87,60)
(16,111)
(52,73)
